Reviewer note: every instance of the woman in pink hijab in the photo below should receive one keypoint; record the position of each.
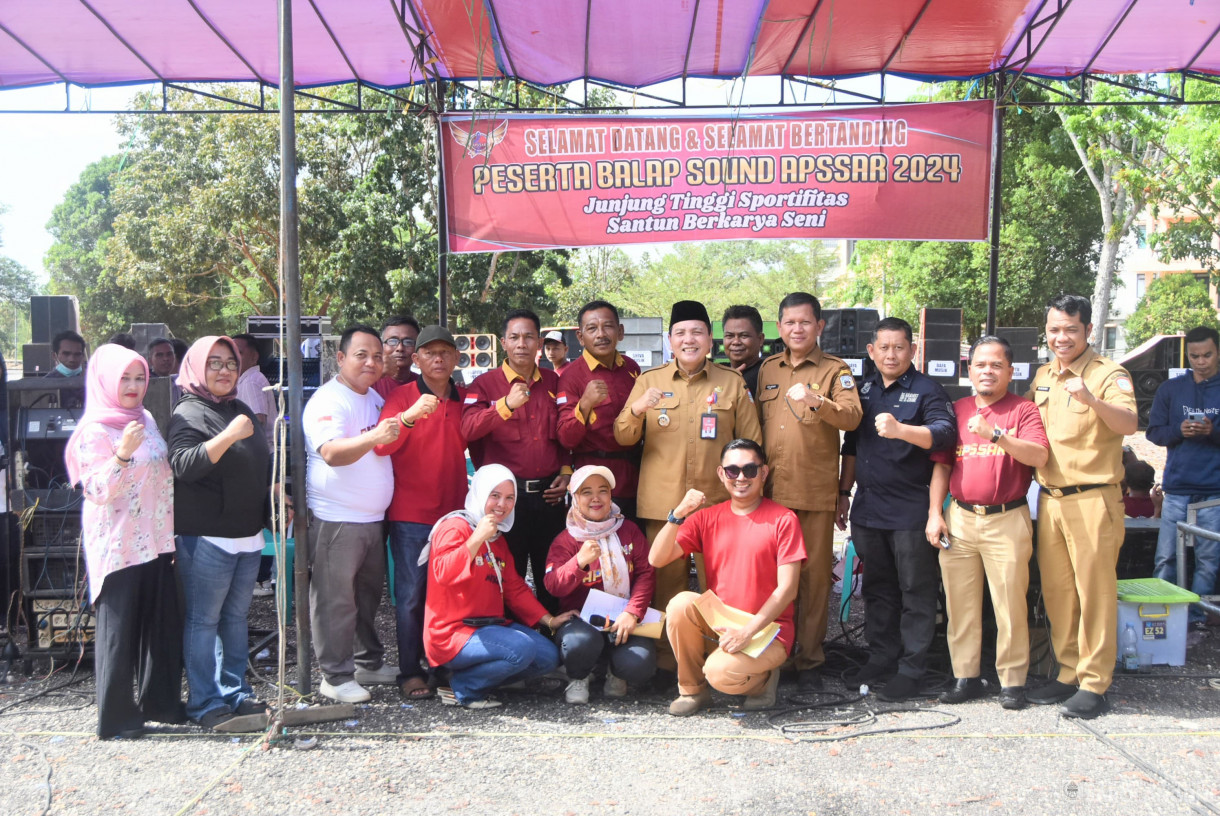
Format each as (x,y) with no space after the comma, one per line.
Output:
(127,529)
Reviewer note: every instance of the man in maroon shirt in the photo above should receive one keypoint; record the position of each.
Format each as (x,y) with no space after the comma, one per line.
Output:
(592,390)
(429,459)
(1000,439)
(398,336)
(509,418)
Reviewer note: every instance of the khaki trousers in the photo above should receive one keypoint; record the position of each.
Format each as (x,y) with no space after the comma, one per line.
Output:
(998,546)
(1079,537)
(702,661)
(671,579)
(813,591)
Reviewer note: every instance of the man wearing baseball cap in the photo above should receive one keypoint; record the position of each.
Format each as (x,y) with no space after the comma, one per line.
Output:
(429,461)
(555,349)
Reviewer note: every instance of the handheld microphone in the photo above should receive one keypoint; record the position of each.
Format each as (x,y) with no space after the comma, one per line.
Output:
(598,621)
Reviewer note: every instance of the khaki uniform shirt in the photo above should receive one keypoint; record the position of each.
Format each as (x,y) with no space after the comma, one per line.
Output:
(675,457)
(1083,448)
(802,444)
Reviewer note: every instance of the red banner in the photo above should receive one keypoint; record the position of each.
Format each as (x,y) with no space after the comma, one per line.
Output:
(917,172)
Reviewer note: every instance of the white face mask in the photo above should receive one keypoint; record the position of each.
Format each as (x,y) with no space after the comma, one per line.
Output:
(67,372)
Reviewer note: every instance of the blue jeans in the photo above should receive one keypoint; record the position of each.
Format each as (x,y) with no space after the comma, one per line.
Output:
(218,587)
(407,539)
(1207,553)
(498,655)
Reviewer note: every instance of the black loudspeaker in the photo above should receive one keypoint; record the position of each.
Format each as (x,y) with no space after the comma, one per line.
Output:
(940,344)
(848,331)
(36,359)
(1146,381)
(1024,342)
(49,315)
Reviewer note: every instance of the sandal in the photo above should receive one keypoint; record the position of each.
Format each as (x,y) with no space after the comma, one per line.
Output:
(416,688)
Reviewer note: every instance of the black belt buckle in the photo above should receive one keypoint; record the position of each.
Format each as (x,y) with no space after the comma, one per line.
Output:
(535,485)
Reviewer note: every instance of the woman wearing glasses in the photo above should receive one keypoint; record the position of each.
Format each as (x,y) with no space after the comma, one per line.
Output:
(221,487)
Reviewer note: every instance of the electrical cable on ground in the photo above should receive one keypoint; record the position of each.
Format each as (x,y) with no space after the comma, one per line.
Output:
(46,782)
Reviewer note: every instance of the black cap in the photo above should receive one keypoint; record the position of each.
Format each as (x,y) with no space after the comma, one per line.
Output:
(688,310)
(430,334)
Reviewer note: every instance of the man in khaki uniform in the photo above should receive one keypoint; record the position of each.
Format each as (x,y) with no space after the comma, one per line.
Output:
(805,397)
(685,412)
(1087,405)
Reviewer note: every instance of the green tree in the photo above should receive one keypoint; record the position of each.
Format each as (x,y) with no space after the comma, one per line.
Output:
(17,286)
(1048,239)
(1120,150)
(83,225)
(597,273)
(1173,304)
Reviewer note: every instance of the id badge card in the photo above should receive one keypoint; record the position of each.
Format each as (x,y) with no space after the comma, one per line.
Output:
(707,425)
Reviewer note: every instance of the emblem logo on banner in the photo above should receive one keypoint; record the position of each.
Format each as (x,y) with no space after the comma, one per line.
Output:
(480,138)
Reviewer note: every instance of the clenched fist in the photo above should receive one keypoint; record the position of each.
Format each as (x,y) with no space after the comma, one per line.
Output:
(648,399)
(887,426)
(386,431)
(518,395)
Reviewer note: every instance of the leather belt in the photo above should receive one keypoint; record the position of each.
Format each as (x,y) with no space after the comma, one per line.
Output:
(627,455)
(535,485)
(1060,492)
(988,509)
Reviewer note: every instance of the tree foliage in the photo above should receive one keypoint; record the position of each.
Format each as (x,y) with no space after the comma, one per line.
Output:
(1173,304)
(1049,228)
(17,286)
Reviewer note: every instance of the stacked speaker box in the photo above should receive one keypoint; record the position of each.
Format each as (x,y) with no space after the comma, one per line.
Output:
(1146,381)
(848,331)
(52,314)
(1149,367)
(476,350)
(940,344)
(1024,341)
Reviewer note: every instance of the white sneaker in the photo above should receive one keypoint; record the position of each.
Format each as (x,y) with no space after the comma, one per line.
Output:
(577,692)
(615,686)
(264,589)
(349,692)
(387,675)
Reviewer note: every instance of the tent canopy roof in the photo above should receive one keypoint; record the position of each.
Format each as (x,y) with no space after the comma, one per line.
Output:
(633,43)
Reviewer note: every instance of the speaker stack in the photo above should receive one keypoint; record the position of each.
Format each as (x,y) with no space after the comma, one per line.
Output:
(476,351)
(940,348)
(49,315)
(1149,367)
(1024,342)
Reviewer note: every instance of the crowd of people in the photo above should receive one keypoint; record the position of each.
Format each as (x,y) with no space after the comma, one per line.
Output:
(618,489)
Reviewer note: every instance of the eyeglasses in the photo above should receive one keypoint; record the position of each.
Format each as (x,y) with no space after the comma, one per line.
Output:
(394,342)
(734,471)
(216,365)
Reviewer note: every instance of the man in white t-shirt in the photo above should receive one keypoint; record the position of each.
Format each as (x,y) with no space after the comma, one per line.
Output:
(250,385)
(349,488)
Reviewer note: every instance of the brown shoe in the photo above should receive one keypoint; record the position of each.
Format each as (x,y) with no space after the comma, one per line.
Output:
(687,705)
(764,698)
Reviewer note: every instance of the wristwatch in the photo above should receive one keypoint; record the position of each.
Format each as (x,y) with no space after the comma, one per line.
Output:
(996,433)
(674,519)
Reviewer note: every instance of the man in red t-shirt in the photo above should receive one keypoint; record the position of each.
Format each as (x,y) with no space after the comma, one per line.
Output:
(752,552)
(1000,439)
(429,459)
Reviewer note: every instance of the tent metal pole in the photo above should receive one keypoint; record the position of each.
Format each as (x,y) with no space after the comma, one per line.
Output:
(442,215)
(290,266)
(997,175)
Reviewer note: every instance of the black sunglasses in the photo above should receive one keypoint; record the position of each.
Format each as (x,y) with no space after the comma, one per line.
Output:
(734,471)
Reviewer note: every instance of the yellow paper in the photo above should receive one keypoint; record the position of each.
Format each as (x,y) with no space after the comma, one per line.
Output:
(719,614)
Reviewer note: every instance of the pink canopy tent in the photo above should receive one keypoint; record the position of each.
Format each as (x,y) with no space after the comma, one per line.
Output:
(631,43)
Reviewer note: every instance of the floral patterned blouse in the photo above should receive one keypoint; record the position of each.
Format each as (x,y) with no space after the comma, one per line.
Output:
(128,518)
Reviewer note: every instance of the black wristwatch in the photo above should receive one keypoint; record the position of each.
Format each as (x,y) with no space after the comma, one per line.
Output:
(674,519)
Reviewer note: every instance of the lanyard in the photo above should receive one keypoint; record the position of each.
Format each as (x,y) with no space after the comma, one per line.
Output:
(495,564)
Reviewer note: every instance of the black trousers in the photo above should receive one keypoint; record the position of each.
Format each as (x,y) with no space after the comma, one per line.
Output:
(534,528)
(139,645)
(901,578)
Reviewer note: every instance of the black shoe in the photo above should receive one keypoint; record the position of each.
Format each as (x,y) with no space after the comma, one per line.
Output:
(1053,692)
(664,681)
(1012,697)
(869,673)
(899,689)
(809,680)
(963,690)
(215,717)
(1084,705)
(251,706)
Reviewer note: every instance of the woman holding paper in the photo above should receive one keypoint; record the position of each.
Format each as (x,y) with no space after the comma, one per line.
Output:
(600,550)
(471,586)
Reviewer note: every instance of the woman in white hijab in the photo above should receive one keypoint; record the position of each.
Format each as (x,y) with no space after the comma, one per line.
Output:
(601,550)
(472,585)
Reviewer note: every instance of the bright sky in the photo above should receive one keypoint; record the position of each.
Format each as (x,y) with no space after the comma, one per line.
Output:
(44,154)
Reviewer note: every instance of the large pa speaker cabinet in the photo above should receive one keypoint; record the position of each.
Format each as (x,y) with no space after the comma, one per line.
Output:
(1024,342)
(848,331)
(1146,382)
(940,344)
(51,314)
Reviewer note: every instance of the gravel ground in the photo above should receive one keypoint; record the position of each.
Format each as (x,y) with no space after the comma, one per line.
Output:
(1158,751)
